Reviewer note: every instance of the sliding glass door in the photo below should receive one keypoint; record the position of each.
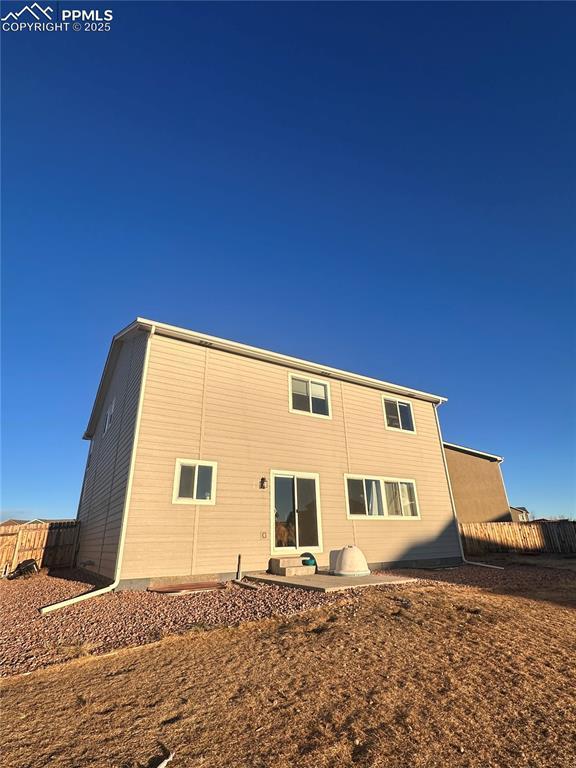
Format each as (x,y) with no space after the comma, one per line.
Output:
(296,511)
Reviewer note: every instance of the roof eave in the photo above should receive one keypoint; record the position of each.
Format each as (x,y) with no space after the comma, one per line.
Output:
(474,452)
(106,373)
(287,360)
(235,347)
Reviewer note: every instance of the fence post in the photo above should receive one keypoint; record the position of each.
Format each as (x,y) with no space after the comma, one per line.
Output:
(16,549)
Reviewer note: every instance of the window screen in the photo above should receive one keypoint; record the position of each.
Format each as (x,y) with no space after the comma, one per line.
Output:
(392,416)
(300,395)
(406,416)
(187,478)
(398,415)
(319,398)
(204,484)
(309,396)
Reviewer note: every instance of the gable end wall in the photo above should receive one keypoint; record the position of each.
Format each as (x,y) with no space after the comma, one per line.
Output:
(106,475)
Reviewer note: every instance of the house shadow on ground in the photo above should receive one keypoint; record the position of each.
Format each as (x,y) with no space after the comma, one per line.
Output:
(544,577)
(79,575)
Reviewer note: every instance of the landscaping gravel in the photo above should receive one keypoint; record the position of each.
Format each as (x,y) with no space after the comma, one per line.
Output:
(29,641)
(466,668)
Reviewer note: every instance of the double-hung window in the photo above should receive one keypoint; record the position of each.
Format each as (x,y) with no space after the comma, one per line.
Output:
(381,497)
(398,415)
(309,396)
(194,482)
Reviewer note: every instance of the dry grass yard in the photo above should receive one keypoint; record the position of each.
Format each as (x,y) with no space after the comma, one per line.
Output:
(470,668)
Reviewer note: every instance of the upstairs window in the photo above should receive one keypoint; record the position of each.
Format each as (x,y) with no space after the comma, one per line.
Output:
(381,497)
(109,414)
(194,482)
(398,415)
(309,396)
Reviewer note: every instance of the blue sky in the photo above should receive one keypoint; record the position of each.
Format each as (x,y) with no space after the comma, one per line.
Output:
(384,188)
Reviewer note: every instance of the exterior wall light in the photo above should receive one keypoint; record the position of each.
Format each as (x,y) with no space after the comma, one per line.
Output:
(263,484)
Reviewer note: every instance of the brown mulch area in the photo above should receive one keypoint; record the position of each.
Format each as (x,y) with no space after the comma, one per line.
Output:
(471,668)
(29,641)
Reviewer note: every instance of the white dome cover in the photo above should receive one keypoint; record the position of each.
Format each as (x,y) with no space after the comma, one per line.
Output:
(350,561)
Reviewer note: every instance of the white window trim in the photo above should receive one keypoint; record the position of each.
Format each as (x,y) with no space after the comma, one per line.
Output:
(295,551)
(309,379)
(403,402)
(108,417)
(194,463)
(382,480)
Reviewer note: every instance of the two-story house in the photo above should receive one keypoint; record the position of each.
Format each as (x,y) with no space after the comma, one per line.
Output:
(203,449)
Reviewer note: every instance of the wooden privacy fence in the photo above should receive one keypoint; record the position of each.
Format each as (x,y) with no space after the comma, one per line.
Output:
(553,537)
(52,545)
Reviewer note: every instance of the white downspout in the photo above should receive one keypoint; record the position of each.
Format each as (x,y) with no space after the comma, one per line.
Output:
(468,562)
(103,590)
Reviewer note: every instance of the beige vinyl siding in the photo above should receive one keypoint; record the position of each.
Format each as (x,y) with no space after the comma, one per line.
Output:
(202,403)
(104,488)
(416,456)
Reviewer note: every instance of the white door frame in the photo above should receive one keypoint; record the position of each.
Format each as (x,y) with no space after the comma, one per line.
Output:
(274,473)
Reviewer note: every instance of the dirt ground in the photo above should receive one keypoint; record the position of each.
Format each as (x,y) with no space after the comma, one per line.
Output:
(470,668)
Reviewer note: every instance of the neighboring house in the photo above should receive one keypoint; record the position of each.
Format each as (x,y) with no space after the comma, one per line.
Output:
(477,485)
(520,514)
(203,449)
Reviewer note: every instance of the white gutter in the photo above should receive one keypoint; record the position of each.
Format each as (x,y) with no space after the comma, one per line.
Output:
(235,347)
(103,590)
(468,562)
(474,452)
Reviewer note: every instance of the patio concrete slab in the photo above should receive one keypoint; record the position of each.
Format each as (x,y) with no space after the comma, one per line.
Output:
(325,582)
